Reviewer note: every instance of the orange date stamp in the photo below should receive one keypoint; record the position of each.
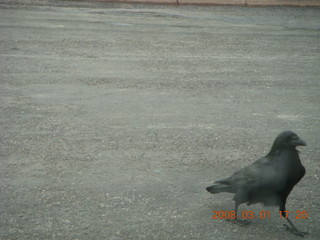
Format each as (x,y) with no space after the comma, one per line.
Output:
(262,214)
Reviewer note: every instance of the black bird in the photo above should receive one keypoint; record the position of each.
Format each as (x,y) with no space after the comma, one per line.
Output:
(270,179)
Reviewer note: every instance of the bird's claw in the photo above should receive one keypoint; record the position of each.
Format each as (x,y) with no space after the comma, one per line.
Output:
(240,222)
(295,231)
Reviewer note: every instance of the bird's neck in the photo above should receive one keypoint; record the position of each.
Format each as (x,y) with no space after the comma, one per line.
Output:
(276,150)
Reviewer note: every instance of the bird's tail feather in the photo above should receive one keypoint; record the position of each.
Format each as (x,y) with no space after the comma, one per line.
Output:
(218,188)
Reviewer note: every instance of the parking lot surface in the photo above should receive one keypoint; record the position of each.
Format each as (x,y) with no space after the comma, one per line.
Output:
(116,117)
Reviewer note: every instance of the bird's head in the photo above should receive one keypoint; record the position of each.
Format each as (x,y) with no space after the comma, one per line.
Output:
(288,139)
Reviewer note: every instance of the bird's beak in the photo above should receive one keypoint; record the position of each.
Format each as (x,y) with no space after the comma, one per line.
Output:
(298,142)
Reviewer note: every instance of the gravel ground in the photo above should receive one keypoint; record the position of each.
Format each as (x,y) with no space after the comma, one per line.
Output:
(114,118)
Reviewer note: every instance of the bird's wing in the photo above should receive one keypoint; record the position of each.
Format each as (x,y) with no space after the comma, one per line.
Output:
(259,174)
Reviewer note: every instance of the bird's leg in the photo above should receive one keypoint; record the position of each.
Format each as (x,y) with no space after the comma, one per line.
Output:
(293,229)
(241,222)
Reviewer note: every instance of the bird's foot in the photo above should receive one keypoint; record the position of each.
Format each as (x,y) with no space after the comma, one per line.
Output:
(295,231)
(240,222)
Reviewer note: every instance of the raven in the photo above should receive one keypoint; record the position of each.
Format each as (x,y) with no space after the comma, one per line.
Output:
(269,180)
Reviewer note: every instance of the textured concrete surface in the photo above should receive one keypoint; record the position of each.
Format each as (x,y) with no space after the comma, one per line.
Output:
(297,3)
(115,117)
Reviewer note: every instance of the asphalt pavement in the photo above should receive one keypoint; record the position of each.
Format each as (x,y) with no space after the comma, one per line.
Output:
(114,118)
